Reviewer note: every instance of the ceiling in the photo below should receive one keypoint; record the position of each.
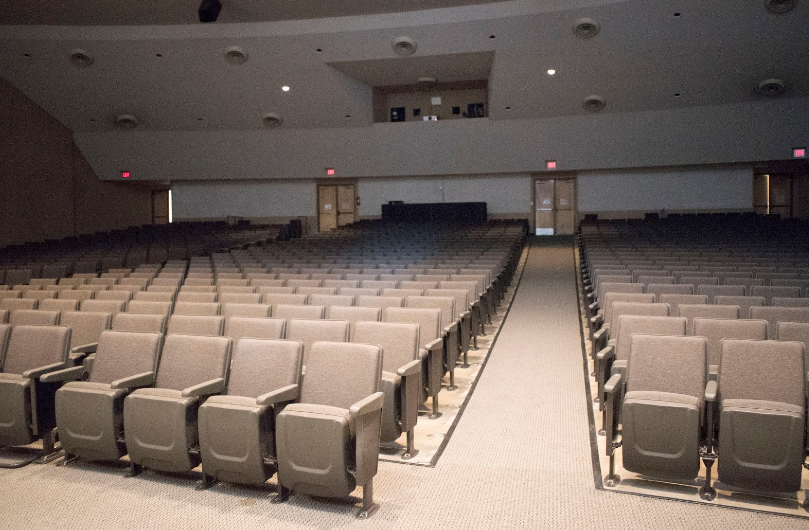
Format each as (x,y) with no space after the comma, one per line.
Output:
(121,13)
(666,54)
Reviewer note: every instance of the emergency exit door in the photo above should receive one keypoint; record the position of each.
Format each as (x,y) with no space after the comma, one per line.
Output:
(337,205)
(554,206)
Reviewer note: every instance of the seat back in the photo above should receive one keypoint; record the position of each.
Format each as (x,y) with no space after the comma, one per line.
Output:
(17,304)
(381,302)
(399,341)
(123,354)
(35,346)
(445,303)
(149,308)
(33,317)
(712,291)
(627,325)
(238,327)
(773,315)
(404,293)
(59,305)
(285,299)
(124,296)
(154,296)
(775,301)
(744,303)
(353,314)
(199,298)
(612,298)
(714,330)
(5,332)
(189,360)
(139,323)
(208,326)
(196,308)
(261,365)
(768,292)
(358,291)
(327,300)
(793,331)
(428,319)
(79,295)
(461,298)
(692,311)
(86,326)
(674,300)
(309,331)
(659,290)
(240,298)
(298,311)
(339,374)
(245,310)
(762,414)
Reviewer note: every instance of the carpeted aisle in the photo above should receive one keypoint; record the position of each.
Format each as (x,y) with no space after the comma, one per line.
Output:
(519,457)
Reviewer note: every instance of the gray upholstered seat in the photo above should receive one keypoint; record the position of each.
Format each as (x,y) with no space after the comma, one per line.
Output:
(773,315)
(26,402)
(193,308)
(209,326)
(139,323)
(86,330)
(309,331)
(401,376)
(692,311)
(762,414)
(161,430)
(33,317)
(236,429)
(450,329)
(663,406)
(717,329)
(329,442)
(238,327)
(89,413)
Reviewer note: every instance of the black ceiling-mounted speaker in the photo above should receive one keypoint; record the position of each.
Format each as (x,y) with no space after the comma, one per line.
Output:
(209,10)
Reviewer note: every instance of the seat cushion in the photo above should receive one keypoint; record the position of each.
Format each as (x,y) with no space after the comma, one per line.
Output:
(12,377)
(755,405)
(90,418)
(159,392)
(324,410)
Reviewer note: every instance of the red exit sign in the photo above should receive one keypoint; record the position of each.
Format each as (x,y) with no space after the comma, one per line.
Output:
(125,174)
(330,171)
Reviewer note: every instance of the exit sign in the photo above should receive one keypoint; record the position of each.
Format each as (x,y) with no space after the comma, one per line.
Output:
(125,174)
(330,171)
(799,152)
(550,164)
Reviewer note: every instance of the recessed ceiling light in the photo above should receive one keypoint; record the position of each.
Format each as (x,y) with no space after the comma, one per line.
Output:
(492,36)
(676,14)
(27,54)
(320,49)
(285,88)
(508,108)
(677,94)
(158,55)
(551,72)
(348,116)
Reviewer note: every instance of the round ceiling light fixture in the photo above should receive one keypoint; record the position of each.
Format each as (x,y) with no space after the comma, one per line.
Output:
(404,46)
(771,87)
(593,103)
(236,55)
(586,28)
(81,58)
(271,119)
(126,121)
(779,7)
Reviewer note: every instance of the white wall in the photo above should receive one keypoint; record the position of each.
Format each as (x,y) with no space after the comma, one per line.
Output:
(504,194)
(250,198)
(726,188)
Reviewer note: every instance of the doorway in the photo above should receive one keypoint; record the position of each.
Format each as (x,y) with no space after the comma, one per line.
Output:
(336,205)
(554,206)
(161,207)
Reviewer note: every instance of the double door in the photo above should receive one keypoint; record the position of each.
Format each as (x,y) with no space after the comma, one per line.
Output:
(554,206)
(337,205)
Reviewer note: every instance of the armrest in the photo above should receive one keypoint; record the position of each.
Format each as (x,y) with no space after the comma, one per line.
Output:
(597,320)
(423,354)
(285,393)
(68,374)
(139,380)
(214,386)
(85,348)
(34,373)
(606,353)
(611,391)
(710,391)
(452,327)
(434,344)
(593,307)
(466,314)
(411,368)
(613,384)
(366,405)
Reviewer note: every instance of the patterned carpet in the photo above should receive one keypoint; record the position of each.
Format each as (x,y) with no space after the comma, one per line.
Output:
(520,456)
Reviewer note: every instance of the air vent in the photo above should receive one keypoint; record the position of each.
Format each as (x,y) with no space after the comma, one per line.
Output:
(272,119)
(235,55)
(81,58)
(593,103)
(586,28)
(404,46)
(779,6)
(126,121)
(771,88)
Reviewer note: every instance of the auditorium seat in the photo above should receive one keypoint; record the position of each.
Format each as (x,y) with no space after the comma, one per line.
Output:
(773,315)
(124,296)
(744,303)
(775,302)
(712,291)
(151,296)
(238,327)
(194,308)
(358,291)
(674,300)
(89,414)
(316,290)
(230,309)
(450,329)
(236,429)
(768,292)
(285,299)
(14,304)
(381,302)
(240,298)
(714,330)
(58,305)
(328,444)
(160,422)
(76,294)
(139,323)
(208,326)
(692,311)
(33,317)
(401,376)
(762,415)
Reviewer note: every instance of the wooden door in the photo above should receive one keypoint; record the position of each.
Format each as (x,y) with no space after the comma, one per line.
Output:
(160,207)
(327,207)
(781,195)
(565,207)
(544,211)
(346,204)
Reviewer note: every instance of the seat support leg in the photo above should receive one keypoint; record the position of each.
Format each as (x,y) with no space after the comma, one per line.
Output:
(134,470)
(452,386)
(435,413)
(369,508)
(708,492)
(68,459)
(411,450)
(281,493)
(612,479)
(207,481)
(49,451)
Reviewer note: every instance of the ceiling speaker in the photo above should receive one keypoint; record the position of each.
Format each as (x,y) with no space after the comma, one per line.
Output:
(80,58)
(235,55)
(771,87)
(126,121)
(209,10)
(272,119)
(586,28)
(593,103)
(780,6)
(404,46)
